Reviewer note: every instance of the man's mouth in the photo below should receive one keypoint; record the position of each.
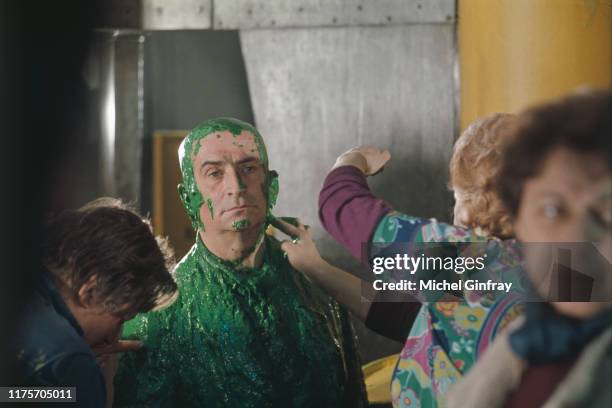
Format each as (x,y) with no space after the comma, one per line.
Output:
(238,208)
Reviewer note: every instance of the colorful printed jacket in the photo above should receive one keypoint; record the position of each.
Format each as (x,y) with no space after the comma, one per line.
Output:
(446,337)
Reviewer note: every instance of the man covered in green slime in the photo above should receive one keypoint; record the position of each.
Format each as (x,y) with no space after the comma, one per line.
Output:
(247,330)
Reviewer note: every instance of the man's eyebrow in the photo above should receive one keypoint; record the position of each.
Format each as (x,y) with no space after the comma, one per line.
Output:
(220,162)
(211,163)
(247,160)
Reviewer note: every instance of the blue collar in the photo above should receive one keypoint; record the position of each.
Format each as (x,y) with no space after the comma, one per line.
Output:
(50,294)
(548,336)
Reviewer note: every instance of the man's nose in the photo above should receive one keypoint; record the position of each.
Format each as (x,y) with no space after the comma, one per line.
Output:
(233,182)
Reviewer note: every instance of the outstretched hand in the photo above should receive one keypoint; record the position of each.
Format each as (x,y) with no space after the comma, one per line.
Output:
(369,159)
(301,250)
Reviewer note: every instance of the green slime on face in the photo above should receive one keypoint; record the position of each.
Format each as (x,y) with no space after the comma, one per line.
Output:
(210,207)
(190,195)
(241,225)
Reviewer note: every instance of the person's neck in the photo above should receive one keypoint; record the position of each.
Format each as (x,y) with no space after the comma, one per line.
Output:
(579,310)
(245,246)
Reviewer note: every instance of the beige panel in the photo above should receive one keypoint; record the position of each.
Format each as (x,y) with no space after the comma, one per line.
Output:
(514,53)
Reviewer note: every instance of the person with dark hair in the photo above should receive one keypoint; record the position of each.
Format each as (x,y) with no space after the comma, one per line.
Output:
(556,181)
(101,265)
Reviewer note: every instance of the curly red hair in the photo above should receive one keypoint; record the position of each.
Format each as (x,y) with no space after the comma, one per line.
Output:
(474,167)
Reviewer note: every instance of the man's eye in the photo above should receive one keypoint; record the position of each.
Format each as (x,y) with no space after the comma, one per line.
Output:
(214,174)
(248,169)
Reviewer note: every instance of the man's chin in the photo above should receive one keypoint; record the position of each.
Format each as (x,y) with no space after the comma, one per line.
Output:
(243,223)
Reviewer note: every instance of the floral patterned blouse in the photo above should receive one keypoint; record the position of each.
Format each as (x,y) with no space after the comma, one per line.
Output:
(447,337)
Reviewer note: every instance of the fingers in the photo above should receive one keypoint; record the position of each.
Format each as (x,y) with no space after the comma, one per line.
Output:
(285,245)
(119,346)
(127,345)
(287,228)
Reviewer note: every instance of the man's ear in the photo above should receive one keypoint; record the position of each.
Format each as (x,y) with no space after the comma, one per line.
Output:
(186,200)
(85,293)
(272,188)
(183,195)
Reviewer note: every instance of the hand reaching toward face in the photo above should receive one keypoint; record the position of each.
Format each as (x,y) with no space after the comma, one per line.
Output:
(301,250)
(369,159)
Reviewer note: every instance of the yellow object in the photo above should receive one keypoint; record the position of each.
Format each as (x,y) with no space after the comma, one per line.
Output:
(515,53)
(169,216)
(377,376)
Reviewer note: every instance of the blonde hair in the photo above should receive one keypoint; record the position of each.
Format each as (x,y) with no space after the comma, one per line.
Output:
(474,167)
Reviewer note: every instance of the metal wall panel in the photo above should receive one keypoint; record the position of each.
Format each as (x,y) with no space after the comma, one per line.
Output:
(176,14)
(318,92)
(121,114)
(247,14)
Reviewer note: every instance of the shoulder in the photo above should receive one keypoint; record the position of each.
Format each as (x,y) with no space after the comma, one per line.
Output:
(82,371)
(79,370)
(47,337)
(276,254)
(185,266)
(398,227)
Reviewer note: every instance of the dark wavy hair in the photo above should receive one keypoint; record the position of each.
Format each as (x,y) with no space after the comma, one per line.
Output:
(581,122)
(109,240)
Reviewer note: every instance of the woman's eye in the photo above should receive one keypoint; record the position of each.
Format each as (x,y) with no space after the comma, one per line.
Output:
(603,218)
(214,173)
(551,211)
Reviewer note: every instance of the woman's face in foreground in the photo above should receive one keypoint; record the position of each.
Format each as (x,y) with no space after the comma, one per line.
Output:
(568,204)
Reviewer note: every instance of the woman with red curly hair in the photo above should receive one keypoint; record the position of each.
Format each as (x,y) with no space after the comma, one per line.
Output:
(473,170)
(442,338)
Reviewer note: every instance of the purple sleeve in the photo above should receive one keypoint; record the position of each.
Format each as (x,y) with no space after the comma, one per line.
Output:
(348,210)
